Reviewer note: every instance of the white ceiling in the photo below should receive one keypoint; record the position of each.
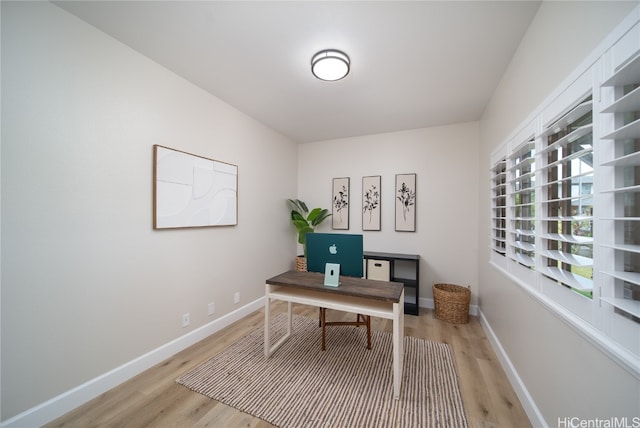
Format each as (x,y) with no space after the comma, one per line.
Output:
(415,64)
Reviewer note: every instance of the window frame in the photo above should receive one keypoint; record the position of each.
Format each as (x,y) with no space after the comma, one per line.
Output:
(595,318)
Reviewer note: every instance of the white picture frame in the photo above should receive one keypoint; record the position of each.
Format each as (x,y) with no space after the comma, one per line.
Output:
(192,191)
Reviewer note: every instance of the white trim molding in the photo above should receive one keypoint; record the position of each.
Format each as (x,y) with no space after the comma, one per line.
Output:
(627,360)
(75,397)
(534,414)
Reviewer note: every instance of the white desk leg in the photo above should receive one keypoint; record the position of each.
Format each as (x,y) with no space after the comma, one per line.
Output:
(398,346)
(268,348)
(401,308)
(267,323)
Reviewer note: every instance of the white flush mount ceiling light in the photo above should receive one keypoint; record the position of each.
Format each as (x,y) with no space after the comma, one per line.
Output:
(330,65)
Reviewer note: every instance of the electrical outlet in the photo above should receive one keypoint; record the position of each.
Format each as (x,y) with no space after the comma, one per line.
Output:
(185,319)
(236,298)
(211,308)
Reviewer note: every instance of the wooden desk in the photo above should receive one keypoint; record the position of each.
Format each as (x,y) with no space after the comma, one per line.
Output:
(362,296)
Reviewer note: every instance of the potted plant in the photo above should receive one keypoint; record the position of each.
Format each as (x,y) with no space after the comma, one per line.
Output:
(305,221)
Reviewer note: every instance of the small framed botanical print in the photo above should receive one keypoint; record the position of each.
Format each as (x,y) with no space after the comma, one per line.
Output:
(340,203)
(371,203)
(405,202)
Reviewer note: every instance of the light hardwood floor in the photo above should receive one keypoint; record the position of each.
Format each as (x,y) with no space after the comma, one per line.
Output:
(154,399)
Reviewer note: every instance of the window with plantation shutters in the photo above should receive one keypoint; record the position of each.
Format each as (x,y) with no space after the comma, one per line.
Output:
(499,210)
(621,148)
(521,187)
(566,194)
(566,201)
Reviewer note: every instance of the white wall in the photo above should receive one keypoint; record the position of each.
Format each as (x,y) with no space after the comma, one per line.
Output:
(87,285)
(565,375)
(445,161)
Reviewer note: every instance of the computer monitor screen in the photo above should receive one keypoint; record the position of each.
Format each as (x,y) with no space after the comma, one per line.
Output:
(341,248)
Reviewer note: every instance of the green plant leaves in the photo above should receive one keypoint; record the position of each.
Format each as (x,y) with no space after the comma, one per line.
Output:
(299,206)
(317,216)
(306,224)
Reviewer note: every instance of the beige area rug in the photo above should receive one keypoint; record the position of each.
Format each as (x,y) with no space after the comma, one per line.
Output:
(345,386)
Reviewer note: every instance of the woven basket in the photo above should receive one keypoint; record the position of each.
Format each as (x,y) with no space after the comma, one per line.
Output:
(452,303)
(301,264)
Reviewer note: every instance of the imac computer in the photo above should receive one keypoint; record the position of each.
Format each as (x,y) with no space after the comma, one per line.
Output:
(340,248)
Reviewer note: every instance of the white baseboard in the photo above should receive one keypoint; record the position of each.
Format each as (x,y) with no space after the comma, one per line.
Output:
(69,400)
(535,417)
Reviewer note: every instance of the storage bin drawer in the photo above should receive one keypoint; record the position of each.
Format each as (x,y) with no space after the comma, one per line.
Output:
(378,270)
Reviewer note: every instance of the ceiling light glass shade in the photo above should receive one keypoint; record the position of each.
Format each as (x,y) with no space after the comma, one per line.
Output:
(330,65)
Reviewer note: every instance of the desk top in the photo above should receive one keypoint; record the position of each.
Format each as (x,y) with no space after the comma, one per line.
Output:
(349,286)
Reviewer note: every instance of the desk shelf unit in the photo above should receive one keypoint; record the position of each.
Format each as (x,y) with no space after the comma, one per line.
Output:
(404,268)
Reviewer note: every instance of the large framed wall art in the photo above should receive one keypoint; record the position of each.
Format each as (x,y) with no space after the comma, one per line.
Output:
(405,202)
(371,201)
(192,191)
(340,204)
